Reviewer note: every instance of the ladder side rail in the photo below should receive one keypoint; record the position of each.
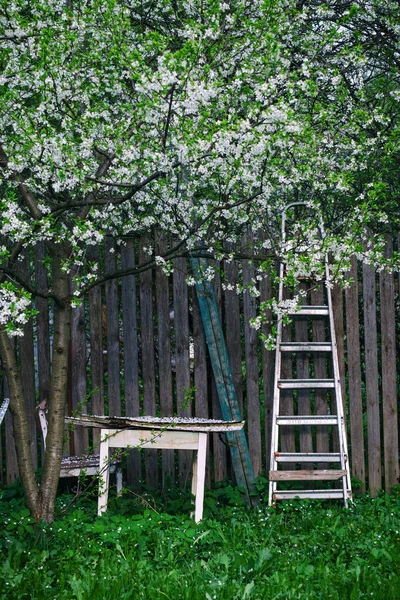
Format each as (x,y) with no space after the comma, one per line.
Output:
(338,394)
(276,400)
(278,361)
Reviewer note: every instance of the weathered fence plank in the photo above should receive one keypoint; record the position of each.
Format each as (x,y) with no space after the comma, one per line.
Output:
(96,347)
(389,391)
(27,365)
(147,354)
(164,355)
(251,360)
(131,353)
(372,380)
(42,321)
(232,327)
(302,370)
(111,316)
(77,375)
(268,367)
(354,376)
(182,358)
(320,371)
(286,396)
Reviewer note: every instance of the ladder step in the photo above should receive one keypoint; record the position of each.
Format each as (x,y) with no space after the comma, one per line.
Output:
(303,475)
(307,420)
(296,384)
(316,494)
(305,347)
(304,311)
(312,457)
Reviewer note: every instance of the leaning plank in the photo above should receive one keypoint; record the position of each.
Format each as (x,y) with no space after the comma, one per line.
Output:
(372,380)
(241,461)
(354,368)
(389,391)
(319,475)
(176,423)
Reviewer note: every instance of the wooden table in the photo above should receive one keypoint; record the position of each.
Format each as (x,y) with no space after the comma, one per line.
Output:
(165,433)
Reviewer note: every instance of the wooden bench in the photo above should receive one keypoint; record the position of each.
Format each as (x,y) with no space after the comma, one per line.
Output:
(172,433)
(75,466)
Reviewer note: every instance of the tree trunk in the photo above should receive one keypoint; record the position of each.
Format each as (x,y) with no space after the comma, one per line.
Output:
(40,499)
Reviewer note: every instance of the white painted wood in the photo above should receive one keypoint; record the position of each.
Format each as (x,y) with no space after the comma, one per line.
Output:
(104,474)
(165,440)
(201,477)
(171,440)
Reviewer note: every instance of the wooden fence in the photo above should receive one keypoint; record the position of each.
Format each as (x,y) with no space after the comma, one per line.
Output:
(138,347)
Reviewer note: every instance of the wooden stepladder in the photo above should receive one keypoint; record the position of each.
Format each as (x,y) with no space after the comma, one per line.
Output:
(298,465)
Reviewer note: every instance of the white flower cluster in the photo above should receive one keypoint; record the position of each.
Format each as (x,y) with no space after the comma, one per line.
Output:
(14,309)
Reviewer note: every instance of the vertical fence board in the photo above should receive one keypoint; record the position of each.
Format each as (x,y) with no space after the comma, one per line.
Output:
(232,328)
(389,391)
(164,355)
(96,348)
(42,327)
(302,370)
(27,368)
(131,356)
(268,368)
(12,471)
(321,400)
(354,368)
(148,359)
(372,380)
(43,335)
(338,317)
(182,358)
(77,375)
(286,396)
(251,358)
(113,366)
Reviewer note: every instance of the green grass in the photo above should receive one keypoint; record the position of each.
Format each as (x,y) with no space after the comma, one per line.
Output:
(299,550)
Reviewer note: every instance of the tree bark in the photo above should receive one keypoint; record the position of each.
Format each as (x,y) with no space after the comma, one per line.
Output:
(40,498)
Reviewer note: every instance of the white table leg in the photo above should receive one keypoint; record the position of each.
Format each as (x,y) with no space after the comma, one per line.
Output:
(104,472)
(199,477)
